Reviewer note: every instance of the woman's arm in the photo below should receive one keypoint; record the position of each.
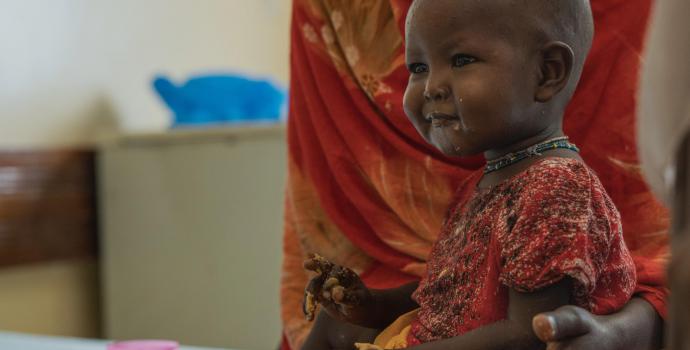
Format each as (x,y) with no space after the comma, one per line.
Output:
(516,331)
(636,327)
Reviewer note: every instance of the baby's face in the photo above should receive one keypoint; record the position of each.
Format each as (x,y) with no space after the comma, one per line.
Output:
(472,77)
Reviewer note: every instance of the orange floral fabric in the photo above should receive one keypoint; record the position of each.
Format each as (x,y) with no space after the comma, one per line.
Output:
(364,189)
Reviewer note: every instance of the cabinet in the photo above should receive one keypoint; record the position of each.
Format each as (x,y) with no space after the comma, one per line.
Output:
(191,236)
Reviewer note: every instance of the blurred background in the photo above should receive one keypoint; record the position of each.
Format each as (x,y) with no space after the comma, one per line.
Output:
(119,218)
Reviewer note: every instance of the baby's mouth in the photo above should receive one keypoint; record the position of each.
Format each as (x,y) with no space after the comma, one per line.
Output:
(439,120)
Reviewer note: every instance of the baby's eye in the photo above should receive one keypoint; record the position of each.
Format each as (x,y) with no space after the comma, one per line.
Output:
(417,68)
(462,60)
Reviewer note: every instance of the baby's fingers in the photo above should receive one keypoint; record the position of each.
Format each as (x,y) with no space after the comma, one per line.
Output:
(328,285)
(332,291)
(312,295)
(345,276)
(338,294)
(309,305)
(311,265)
(347,299)
(317,264)
(340,297)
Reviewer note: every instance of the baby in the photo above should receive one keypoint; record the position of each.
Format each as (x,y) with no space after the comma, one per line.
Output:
(532,231)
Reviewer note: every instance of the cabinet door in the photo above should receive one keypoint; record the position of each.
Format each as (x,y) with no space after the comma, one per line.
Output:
(191,238)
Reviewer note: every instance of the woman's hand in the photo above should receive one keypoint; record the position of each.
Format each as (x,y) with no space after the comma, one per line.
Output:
(339,290)
(635,327)
(571,327)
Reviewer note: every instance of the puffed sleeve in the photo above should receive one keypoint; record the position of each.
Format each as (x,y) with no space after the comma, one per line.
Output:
(561,228)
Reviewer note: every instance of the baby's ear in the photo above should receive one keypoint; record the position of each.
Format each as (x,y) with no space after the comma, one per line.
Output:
(556,65)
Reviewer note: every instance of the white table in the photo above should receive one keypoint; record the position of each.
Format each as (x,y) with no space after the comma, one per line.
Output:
(18,341)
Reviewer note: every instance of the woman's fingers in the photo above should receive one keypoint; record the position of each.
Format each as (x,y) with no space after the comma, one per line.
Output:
(544,327)
(554,346)
(562,324)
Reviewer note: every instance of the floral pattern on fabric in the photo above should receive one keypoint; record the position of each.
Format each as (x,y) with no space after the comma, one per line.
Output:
(361,37)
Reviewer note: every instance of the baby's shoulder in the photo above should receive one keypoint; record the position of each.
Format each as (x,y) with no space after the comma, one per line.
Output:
(559,166)
(559,173)
(556,181)
(565,183)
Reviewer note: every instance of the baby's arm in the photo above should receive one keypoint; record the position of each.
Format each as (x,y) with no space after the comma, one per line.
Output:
(351,312)
(344,296)
(330,333)
(390,304)
(516,331)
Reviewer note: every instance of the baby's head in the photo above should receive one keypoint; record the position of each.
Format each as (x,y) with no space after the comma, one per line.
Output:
(486,74)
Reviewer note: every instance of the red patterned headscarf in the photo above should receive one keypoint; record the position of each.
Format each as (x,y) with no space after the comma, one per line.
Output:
(364,189)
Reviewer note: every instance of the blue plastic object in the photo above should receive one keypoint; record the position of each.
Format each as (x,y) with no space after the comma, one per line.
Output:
(215,99)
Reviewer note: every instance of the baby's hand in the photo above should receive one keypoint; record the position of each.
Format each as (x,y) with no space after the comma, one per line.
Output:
(337,288)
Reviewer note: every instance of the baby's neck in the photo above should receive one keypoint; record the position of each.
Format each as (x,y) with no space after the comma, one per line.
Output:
(520,145)
(494,178)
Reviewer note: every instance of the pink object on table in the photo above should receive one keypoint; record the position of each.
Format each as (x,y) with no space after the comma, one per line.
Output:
(144,345)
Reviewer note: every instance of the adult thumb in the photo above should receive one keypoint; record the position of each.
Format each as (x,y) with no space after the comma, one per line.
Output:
(562,324)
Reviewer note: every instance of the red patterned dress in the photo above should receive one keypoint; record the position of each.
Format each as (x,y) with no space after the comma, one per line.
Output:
(553,220)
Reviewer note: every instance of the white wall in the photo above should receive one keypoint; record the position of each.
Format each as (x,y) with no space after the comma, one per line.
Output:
(71,70)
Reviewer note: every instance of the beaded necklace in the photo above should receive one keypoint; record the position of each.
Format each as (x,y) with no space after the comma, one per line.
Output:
(535,150)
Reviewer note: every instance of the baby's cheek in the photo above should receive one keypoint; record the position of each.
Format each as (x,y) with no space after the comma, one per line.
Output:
(413,99)
(481,105)
(413,103)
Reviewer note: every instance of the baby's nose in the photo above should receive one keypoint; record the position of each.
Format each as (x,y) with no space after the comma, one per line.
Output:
(436,93)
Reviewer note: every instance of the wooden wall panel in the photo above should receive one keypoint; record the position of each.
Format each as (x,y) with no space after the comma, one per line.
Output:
(47,206)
